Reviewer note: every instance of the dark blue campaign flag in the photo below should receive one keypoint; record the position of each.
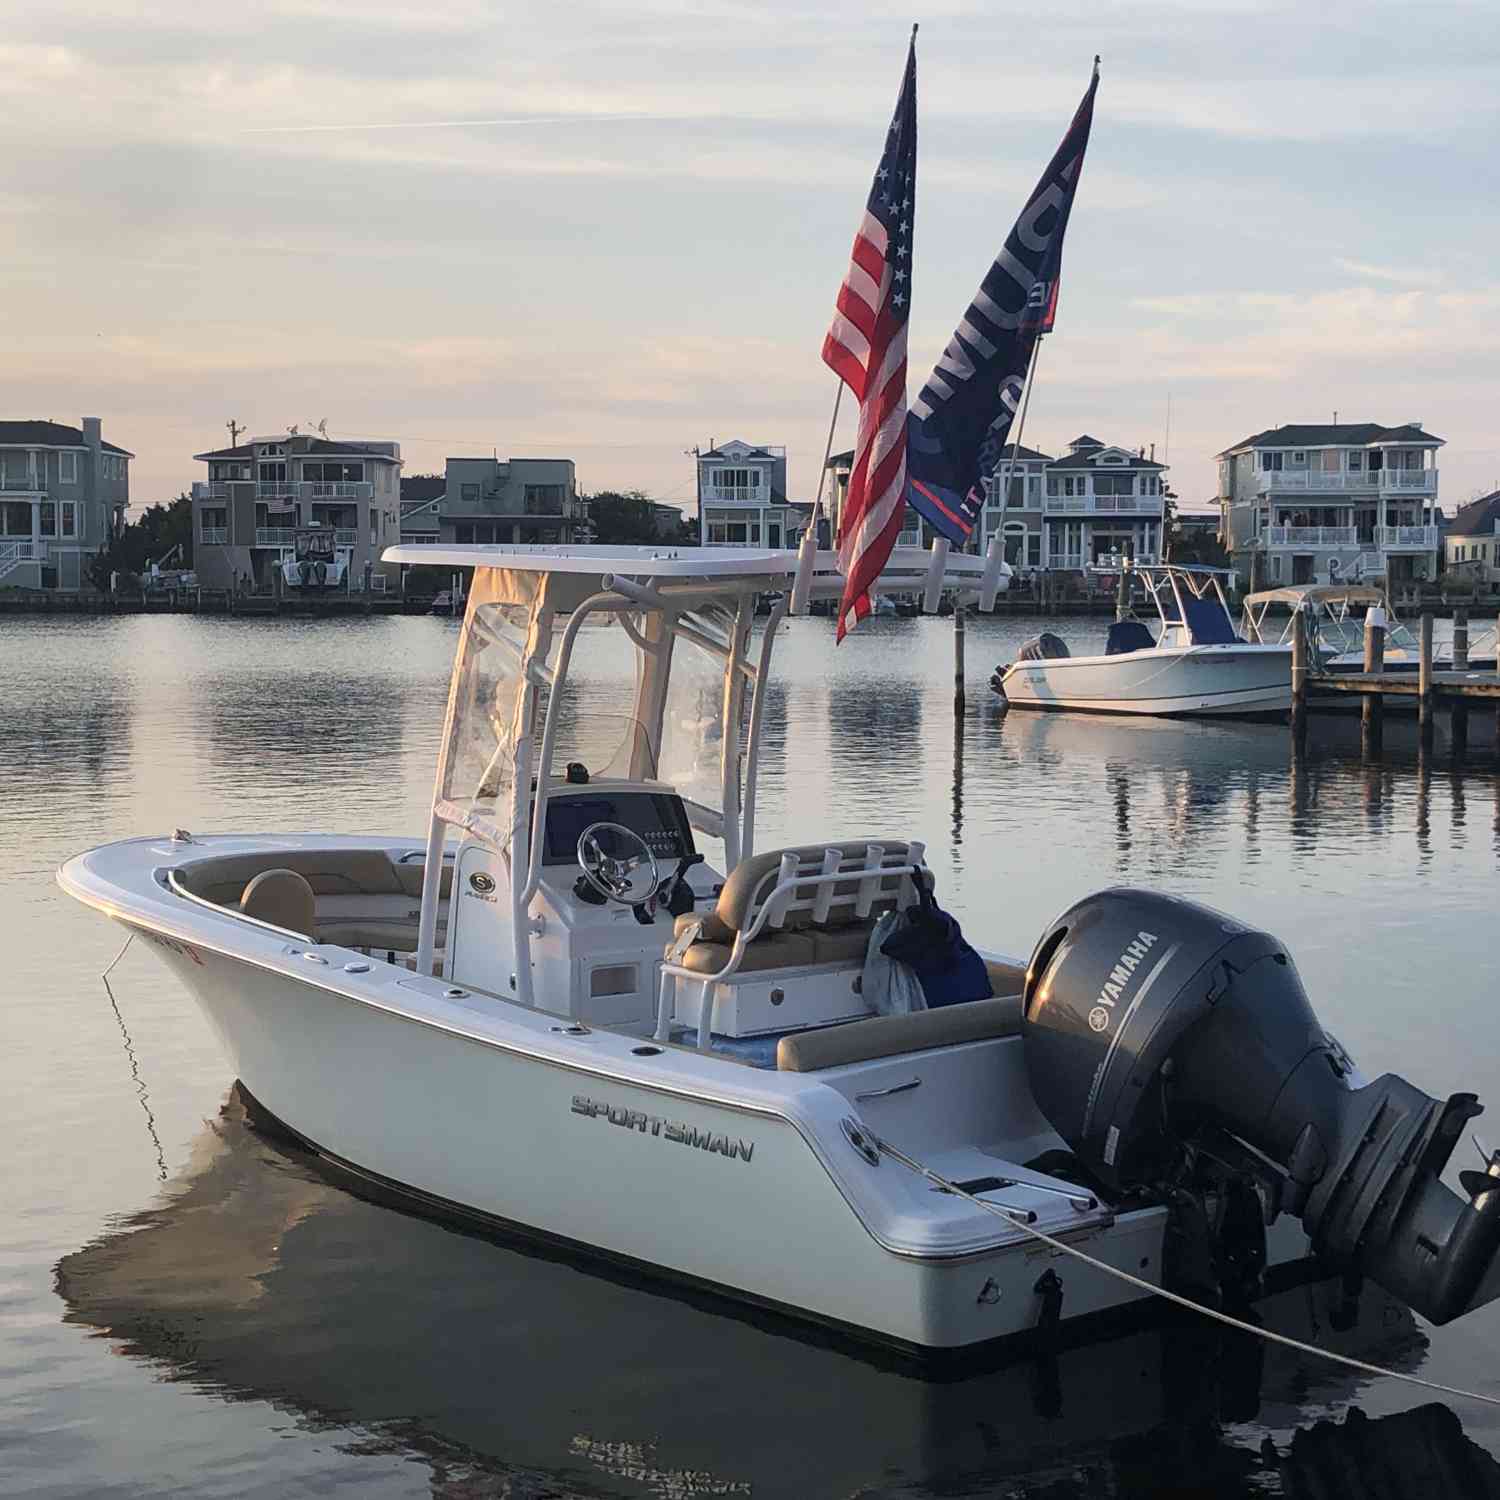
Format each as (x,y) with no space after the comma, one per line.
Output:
(957,426)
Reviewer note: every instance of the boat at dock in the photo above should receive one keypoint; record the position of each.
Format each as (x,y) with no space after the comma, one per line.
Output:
(553,1012)
(1194,666)
(1336,614)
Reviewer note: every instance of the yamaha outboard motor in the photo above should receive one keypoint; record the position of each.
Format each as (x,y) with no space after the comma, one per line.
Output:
(1156,1030)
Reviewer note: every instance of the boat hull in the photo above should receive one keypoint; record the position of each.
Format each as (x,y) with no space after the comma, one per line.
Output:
(463,1127)
(1194,682)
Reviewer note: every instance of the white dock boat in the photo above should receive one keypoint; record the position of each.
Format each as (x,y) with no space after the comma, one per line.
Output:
(1194,666)
(548,1012)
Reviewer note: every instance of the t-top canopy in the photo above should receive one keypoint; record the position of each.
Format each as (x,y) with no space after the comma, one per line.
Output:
(635,562)
(1320,593)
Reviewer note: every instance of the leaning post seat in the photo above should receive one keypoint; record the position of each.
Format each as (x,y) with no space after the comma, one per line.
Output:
(810,905)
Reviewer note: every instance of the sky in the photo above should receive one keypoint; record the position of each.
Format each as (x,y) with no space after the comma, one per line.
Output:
(612,232)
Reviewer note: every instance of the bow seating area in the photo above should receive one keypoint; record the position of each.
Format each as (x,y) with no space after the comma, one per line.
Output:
(354,898)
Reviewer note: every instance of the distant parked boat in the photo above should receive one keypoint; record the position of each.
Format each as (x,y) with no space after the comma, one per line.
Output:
(1337,612)
(1196,665)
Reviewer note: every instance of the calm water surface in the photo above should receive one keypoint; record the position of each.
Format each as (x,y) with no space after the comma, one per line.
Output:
(187,1309)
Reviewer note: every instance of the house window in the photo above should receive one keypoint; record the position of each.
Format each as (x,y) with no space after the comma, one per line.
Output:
(1034,550)
(274,450)
(1356,460)
(1051,485)
(1270,461)
(67,468)
(273,473)
(1276,567)
(1298,457)
(49,518)
(469,492)
(1114,484)
(374,527)
(69,518)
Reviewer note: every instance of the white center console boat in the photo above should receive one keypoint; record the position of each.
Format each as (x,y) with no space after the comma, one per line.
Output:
(1194,666)
(553,1013)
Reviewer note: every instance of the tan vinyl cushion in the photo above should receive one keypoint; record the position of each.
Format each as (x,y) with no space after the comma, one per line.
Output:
(889,1036)
(842,945)
(780,951)
(393,937)
(281,897)
(330,872)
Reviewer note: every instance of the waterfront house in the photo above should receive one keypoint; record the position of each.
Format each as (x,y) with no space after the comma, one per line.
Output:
(64,492)
(1471,544)
(1331,502)
(1089,507)
(421,497)
(260,493)
(1101,503)
(509,501)
(742,498)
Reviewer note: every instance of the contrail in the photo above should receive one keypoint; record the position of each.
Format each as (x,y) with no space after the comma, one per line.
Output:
(452,124)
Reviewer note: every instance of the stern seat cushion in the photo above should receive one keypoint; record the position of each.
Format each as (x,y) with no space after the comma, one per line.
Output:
(889,1036)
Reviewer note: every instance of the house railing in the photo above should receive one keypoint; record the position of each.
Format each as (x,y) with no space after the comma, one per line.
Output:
(1086,505)
(1409,536)
(284,489)
(1312,536)
(23,483)
(1307,481)
(214,536)
(275,536)
(732,494)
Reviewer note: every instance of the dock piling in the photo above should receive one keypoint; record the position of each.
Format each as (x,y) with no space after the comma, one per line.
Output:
(959,632)
(1372,710)
(1459,712)
(1299,678)
(1424,681)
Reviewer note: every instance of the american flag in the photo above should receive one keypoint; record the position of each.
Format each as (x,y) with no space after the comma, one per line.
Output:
(866,348)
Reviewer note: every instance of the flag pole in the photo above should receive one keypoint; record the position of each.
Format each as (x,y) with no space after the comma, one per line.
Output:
(807,553)
(989,583)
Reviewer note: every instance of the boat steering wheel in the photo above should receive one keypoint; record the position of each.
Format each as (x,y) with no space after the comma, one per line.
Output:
(618,863)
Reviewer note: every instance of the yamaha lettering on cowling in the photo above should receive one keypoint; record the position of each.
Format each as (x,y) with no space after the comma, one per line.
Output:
(957,426)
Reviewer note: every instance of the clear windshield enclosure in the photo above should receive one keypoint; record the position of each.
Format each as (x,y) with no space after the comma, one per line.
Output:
(692,730)
(491,709)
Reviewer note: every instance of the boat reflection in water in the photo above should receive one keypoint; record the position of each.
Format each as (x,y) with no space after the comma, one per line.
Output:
(512,1371)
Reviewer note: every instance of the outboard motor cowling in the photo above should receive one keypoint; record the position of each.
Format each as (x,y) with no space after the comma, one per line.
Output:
(1152,1023)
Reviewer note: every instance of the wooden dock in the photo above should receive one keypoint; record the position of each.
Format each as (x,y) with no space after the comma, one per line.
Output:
(1456,690)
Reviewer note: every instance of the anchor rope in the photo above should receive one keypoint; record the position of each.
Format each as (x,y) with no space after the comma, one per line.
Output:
(1157,1291)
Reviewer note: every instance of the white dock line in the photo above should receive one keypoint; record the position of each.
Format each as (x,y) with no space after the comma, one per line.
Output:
(1145,1286)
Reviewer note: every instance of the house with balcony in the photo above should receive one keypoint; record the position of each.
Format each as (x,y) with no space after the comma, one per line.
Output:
(1332,502)
(64,492)
(260,493)
(1471,544)
(1100,503)
(510,501)
(742,497)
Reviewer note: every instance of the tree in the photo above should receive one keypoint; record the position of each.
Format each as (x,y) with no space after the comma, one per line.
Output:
(147,540)
(1182,547)
(626,519)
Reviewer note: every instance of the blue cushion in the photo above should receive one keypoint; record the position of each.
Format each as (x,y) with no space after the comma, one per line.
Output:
(1128,635)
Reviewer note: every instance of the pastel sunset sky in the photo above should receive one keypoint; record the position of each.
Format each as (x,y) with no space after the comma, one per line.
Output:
(613,231)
